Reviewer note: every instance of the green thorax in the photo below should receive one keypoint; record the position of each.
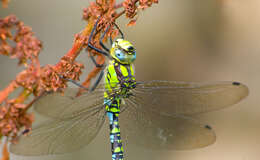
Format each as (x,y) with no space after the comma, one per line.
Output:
(118,76)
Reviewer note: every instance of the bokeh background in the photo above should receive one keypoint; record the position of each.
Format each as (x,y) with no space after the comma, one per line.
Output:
(184,40)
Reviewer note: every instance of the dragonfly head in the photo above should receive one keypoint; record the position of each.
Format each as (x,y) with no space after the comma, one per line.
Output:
(123,51)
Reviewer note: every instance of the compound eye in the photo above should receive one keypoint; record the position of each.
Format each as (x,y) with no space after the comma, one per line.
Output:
(130,49)
(118,52)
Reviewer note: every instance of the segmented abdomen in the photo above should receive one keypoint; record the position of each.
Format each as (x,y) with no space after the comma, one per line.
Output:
(113,109)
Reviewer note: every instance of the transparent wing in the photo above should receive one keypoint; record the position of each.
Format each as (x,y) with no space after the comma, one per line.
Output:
(153,116)
(61,106)
(164,132)
(189,98)
(58,136)
(173,97)
(156,116)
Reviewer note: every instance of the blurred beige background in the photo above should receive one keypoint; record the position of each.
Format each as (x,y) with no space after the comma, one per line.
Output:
(187,40)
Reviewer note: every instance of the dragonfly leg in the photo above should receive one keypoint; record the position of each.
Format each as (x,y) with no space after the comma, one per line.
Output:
(111,41)
(122,34)
(90,37)
(95,62)
(99,50)
(101,40)
(74,82)
(97,81)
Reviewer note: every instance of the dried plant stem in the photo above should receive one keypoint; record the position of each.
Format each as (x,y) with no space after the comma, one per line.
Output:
(9,89)
(5,153)
(78,44)
(22,97)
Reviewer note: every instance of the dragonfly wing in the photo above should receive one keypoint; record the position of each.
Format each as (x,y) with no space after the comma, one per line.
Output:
(61,106)
(189,98)
(156,131)
(58,136)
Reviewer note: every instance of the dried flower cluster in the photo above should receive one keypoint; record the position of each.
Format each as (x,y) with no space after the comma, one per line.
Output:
(53,77)
(6,25)
(49,77)
(28,78)
(143,4)
(13,118)
(18,41)
(27,46)
(131,8)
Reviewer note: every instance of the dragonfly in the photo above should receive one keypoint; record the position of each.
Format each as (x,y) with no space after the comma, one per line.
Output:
(154,114)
